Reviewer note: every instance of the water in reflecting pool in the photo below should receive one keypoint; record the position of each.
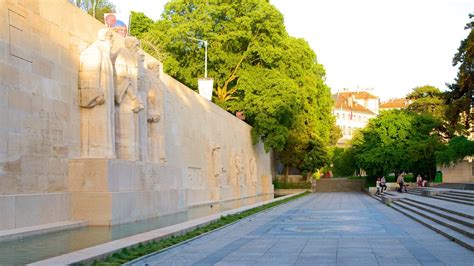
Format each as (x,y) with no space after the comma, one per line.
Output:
(35,248)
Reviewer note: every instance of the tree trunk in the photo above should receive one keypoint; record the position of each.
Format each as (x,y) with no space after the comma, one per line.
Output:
(287,172)
(93,8)
(308,176)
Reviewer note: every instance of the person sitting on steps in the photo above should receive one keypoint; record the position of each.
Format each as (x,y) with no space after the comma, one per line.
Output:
(401,182)
(377,185)
(383,184)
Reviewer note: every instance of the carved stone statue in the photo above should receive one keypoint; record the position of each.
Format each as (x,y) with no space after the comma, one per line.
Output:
(127,100)
(239,169)
(155,120)
(142,116)
(96,96)
(253,171)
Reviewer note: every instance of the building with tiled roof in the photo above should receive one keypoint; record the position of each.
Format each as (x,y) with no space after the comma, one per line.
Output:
(398,103)
(352,110)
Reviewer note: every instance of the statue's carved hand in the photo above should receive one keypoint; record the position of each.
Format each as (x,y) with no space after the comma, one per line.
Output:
(100,99)
(137,105)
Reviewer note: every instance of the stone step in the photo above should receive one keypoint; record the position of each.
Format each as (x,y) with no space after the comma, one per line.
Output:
(441,197)
(443,209)
(457,197)
(451,234)
(465,230)
(448,215)
(459,193)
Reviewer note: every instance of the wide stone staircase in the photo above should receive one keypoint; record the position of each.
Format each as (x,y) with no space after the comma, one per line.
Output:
(452,219)
(454,195)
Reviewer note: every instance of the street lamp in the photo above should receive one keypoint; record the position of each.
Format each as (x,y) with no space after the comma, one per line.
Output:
(205,85)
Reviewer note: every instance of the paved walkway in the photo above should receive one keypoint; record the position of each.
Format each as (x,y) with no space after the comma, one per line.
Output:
(321,229)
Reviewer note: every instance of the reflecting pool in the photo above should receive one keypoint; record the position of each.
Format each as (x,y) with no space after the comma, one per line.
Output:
(35,248)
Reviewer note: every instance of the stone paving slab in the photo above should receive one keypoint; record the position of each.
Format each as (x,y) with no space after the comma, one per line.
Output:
(320,229)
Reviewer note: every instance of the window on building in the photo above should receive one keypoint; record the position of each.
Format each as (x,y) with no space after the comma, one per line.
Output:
(343,116)
(337,115)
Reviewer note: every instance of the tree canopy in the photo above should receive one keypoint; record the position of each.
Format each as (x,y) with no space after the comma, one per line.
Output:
(457,149)
(398,140)
(427,100)
(460,96)
(257,67)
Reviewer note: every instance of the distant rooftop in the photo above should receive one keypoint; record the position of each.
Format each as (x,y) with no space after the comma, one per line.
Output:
(398,103)
(346,100)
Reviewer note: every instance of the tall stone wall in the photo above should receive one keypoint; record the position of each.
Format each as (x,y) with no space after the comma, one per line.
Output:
(196,153)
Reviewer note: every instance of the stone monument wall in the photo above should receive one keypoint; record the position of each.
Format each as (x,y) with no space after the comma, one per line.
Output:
(194,153)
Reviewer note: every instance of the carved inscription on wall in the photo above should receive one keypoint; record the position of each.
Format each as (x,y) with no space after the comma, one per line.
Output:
(19,36)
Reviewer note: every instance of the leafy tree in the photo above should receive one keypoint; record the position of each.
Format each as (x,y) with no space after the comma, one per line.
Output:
(457,149)
(335,133)
(396,141)
(427,100)
(315,158)
(95,8)
(430,100)
(343,162)
(460,96)
(257,68)
(140,24)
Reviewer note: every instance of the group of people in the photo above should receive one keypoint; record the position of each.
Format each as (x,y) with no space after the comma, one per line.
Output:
(381,183)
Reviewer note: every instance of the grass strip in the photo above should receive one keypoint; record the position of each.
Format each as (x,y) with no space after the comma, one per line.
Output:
(129,254)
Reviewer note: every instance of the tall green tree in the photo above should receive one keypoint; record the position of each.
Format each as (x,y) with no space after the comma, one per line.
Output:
(430,100)
(140,24)
(457,149)
(257,68)
(398,140)
(343,162)
(460,96)
(427,100)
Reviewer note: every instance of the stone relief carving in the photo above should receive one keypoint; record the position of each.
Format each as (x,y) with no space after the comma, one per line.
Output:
(154,114)
(217,168)
(127,100)
(142,116)
(239,169)
(96,96)
(253,171)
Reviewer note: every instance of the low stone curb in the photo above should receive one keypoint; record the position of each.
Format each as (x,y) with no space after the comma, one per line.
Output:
(20,233)
(89,255)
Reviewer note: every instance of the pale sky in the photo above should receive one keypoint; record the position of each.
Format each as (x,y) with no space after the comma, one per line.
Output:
(391,46)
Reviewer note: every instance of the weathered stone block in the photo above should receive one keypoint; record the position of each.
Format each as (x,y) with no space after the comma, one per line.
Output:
(10,75)
(19,100)
(429,192)
(7,206)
